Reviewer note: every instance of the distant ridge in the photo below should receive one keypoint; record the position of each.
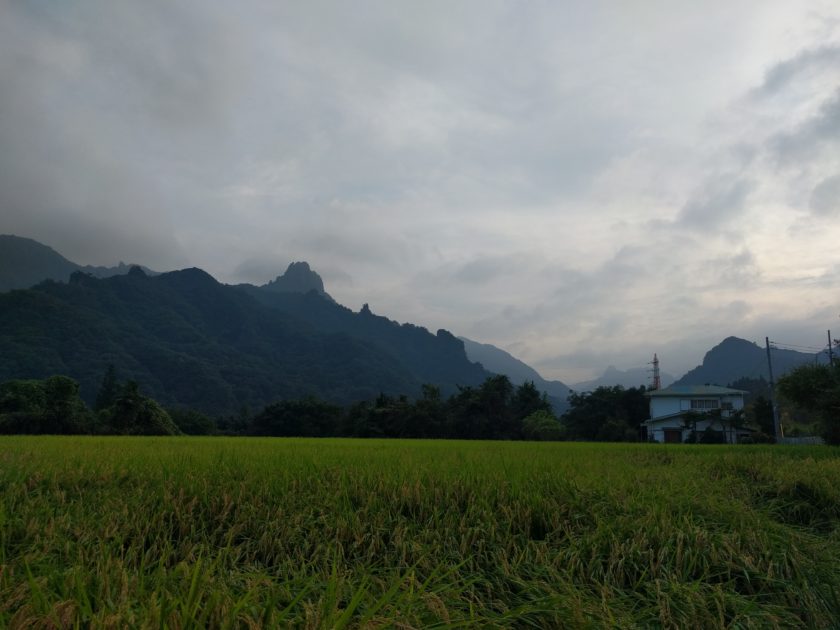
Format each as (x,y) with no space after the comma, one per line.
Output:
(612,376)
(190,340)
(498,361)
(735,358)
(25,262)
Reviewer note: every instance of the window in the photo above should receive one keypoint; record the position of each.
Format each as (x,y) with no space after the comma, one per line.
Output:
(704,403)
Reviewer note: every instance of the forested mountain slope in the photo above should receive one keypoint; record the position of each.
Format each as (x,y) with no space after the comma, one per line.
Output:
(498,361)
(190,340)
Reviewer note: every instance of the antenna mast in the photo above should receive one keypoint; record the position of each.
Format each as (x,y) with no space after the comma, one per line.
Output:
(657,382)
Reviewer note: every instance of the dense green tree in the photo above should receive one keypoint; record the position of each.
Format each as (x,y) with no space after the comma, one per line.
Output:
(761,415)
(135,414)
(390,416)
(108,390)
(485,412)
(542,425)
(192,422)
(606,414)
(528,400)
(238,424)
(51,406)
(754,387)
(430,415)
(64,412)
(307,417)
(816,388)
(22,395)
(357,421)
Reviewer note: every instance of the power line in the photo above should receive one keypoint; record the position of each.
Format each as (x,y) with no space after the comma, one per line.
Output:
(777,344)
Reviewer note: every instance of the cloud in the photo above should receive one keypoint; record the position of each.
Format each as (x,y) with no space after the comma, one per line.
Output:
(825,198)
(739,270)
(815,134)
(567,180)
(721,201)
(805,65)
(484,269)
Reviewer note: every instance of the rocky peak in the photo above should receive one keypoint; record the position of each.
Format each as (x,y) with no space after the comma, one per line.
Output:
(298,278)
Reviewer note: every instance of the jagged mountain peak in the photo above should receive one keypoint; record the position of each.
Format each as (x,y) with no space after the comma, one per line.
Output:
(299,277)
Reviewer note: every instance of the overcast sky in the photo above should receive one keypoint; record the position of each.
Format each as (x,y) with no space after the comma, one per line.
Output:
(579,183)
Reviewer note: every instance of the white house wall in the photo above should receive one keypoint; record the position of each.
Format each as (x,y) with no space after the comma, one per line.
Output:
(664,406)
(667,405)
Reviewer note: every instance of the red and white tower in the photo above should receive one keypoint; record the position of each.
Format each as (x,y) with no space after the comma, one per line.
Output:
(657,382)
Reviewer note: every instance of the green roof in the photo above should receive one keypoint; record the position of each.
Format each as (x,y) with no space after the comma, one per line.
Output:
(683,391)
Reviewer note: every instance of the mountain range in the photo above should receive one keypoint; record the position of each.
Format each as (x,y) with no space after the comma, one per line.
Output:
(188,339)
(25,262)
(735,358)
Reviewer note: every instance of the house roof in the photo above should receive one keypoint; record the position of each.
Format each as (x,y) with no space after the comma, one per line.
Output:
(670,416)
(695,390)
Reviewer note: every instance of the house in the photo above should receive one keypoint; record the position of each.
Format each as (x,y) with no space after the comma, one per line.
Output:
(678,410)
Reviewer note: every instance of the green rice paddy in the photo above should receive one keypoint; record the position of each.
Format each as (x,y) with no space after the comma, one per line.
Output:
(245,533)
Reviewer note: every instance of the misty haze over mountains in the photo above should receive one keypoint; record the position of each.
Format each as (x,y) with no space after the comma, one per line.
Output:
(25,262)
(267,336)
(500,362)
(632,377)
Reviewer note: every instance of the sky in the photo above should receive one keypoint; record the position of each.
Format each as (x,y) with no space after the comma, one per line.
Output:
(579,183)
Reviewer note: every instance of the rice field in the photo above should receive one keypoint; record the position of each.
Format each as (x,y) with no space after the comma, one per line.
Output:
(245,533)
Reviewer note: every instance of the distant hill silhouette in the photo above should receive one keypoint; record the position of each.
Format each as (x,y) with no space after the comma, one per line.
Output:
(190,340)
(25,262)
(634,377)
(498,361)
(735,358)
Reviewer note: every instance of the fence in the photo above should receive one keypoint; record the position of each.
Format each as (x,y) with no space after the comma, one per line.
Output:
(805,439)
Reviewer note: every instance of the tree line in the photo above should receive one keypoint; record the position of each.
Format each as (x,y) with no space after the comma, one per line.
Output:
(53,406)
(494,410)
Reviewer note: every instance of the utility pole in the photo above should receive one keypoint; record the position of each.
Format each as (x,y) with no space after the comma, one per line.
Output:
(830,355)
(776,424)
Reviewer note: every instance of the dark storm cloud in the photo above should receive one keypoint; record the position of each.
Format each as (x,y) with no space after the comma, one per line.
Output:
(118,119)
(78,93)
